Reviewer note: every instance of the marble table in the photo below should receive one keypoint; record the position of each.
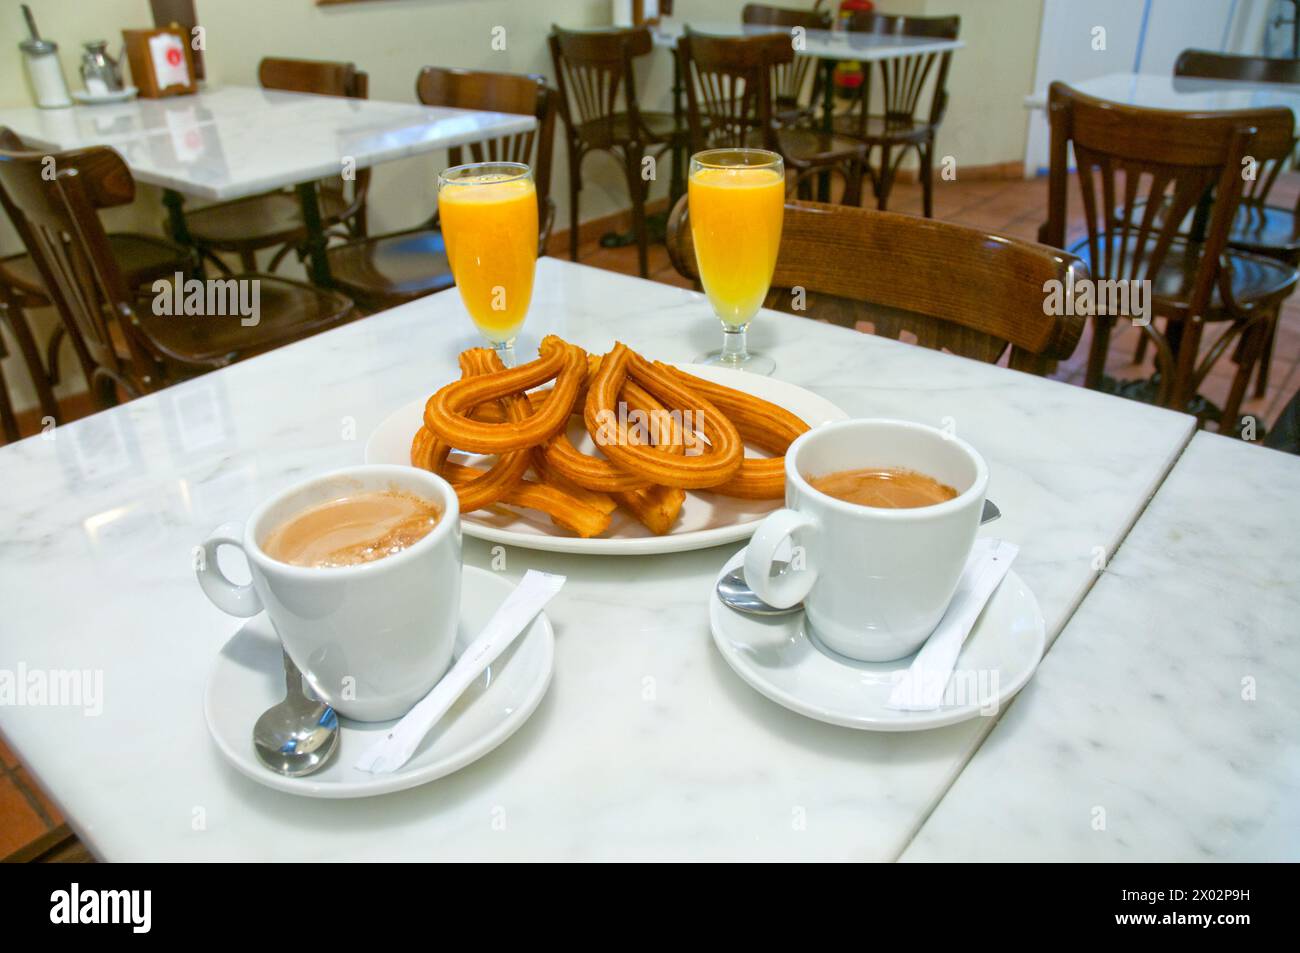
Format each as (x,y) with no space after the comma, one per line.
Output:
(232,141)
(1164,724)
(1162,91)
(647,745)
(832,45)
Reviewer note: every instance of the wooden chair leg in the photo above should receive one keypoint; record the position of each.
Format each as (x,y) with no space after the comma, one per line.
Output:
(52,355)
(852,185)
(1101,326)
(8,422)
(1251,351)
(248,260)
(886,181)
(926,173)
(1266,357)
(31,355)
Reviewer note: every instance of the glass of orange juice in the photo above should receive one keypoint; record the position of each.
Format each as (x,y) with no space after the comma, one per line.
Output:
(737,202)
(488,213)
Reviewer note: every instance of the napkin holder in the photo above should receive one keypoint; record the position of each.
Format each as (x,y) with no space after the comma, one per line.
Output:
(161,62)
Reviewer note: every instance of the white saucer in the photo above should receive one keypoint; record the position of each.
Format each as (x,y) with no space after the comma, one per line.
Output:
(248,677)
(777,656)
(118,96)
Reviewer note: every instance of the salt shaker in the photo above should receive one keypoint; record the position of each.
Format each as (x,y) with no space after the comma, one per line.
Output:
(41,58)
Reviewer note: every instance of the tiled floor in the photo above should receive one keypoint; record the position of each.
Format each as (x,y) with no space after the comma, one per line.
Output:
(30,827)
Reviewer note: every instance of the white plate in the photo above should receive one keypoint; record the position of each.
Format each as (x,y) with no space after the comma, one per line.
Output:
(706,518)
(248,678)
(90,99)
(777,656)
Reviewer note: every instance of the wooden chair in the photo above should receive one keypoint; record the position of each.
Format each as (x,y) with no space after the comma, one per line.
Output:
(901,126)
(117,336)
(1170,161)
(1258,227)
(729,103)
(942,285)
(141,258)
(598,103)
(274,220)
(388,270)
(790,105)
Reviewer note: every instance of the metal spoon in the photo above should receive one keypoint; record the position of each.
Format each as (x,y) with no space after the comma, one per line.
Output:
(735,592)
(297,736)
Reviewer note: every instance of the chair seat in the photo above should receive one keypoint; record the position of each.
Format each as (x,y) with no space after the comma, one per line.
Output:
(881,129)
(1266,230)
(260,221)
(807,147)
(390,269)
(287,311)
(1254,278)
(142,258)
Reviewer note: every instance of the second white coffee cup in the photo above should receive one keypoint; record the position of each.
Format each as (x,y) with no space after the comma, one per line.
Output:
(874,581)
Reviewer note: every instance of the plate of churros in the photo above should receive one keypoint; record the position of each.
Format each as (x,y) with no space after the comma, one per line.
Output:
(610,453)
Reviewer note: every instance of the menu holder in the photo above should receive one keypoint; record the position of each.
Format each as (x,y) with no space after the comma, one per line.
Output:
(161,62)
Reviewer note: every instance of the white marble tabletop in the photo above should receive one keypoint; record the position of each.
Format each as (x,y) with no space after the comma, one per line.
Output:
(821,44)
(646,745)
(1164,91)
(231,141)
(1164,725)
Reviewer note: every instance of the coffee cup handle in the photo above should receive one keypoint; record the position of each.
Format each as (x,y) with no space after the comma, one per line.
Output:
(791,586)
(237,600)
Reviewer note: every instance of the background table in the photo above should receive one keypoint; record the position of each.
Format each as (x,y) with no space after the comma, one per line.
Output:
(1168,708)
(829,47)
(231,142)
(647,745)
(1181,92)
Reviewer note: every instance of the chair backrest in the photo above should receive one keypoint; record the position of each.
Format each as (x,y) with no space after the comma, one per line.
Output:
(593,70)
(54,199)
(323,78)
(517,93)
(948,286)
(1204,64)
(729,87)
(1166,159)
(788,79)
(903,79)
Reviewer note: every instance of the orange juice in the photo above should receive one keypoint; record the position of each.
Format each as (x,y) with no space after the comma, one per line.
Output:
(490,225)
(736,215)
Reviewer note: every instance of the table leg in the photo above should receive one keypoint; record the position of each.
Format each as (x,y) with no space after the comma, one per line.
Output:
(828,123)
(318,266)
(174,202)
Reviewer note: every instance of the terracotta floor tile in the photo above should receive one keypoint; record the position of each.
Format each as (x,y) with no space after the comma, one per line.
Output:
(53,817)
(20,825)
(7,757)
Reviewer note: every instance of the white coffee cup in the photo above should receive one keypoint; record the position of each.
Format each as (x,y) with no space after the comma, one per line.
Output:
(874,581)
(373,638)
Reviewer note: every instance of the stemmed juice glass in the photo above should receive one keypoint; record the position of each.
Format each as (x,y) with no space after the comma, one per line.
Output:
(737,203)
(488,212)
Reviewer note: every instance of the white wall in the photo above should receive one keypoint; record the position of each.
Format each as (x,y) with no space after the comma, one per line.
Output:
(1142,36)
